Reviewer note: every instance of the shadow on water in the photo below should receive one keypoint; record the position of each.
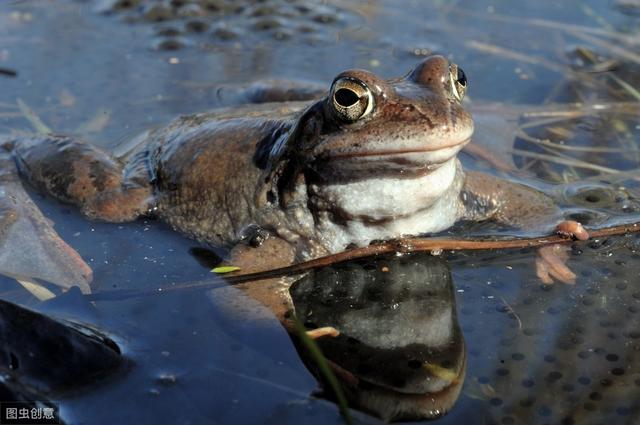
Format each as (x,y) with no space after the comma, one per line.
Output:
(554,92)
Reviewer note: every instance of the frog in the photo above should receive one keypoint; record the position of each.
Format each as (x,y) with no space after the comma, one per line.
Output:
(282,182)
(372,159)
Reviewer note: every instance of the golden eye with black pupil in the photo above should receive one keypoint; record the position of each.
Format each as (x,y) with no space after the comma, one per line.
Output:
(351,99)
(458,81)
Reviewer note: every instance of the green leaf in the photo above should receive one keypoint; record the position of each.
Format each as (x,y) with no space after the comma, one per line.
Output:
(225,269)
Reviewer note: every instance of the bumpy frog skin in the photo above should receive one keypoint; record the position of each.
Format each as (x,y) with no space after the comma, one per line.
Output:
(375,159)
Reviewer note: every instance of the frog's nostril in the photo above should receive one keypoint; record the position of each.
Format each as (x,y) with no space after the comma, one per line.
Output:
(346,97)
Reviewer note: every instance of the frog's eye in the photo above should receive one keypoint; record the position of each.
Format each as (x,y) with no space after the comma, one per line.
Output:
(351,99)
(458,81)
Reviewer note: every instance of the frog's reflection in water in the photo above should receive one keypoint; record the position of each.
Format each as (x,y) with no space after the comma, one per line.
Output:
(400,353)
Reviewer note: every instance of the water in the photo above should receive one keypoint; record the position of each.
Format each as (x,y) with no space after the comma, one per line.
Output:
(535,354)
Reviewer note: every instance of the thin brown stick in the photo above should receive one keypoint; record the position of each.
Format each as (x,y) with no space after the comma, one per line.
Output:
(610,47)
(546,142)
(402,246)
(512,311)
(556,25)
(552,120)
(578,110)
(518,56)
(572,162)
(561,110)
(8,72)
(481,153)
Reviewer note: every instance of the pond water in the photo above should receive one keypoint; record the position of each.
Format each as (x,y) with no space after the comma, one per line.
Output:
(535,354)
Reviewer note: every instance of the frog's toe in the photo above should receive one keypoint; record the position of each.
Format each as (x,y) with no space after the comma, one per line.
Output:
(551,265)
(572,229)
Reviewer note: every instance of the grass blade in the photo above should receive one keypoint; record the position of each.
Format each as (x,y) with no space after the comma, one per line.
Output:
(33,118)
(323,366)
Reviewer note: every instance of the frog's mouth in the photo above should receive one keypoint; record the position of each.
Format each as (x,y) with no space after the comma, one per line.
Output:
(402,161)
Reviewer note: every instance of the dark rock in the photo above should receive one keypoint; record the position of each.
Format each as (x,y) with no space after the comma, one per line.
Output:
(47,356)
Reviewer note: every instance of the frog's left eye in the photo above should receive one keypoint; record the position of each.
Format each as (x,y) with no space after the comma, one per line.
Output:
(351,99)
(458,81)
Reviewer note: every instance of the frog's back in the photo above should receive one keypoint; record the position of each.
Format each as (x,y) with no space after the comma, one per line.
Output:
(204,169)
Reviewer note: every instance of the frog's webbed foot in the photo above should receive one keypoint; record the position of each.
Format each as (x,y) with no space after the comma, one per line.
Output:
(551,262)
(29,247)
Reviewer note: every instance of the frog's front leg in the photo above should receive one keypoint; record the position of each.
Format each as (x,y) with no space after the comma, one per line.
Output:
(485,197)
(79,173)
(273,293)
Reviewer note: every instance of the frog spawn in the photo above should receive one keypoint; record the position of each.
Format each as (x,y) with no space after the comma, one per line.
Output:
(557,355)
(181,23)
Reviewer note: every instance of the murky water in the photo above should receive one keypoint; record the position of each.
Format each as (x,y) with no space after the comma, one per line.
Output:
(534,353)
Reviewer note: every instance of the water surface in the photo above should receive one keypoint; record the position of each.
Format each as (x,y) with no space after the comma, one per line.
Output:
(536,354)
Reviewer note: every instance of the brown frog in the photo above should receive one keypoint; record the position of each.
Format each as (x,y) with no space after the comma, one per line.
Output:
(373,160)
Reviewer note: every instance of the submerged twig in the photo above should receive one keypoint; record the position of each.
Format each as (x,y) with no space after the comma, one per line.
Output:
(481,153)
(512,311)
(577,110)
(565,161)
(8,72)
(553,119)
(610,47)
(8,105)
(626,86)
(556,25)
(96,123)
(592,149)
(33,118)
(564,110)
(517,56)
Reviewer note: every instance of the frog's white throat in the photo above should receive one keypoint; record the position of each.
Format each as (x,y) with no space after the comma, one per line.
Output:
(381,208)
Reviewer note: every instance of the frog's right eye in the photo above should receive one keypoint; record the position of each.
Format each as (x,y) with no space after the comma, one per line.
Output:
(351,99)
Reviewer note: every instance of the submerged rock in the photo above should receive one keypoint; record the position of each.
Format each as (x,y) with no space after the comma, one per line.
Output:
(50,356)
